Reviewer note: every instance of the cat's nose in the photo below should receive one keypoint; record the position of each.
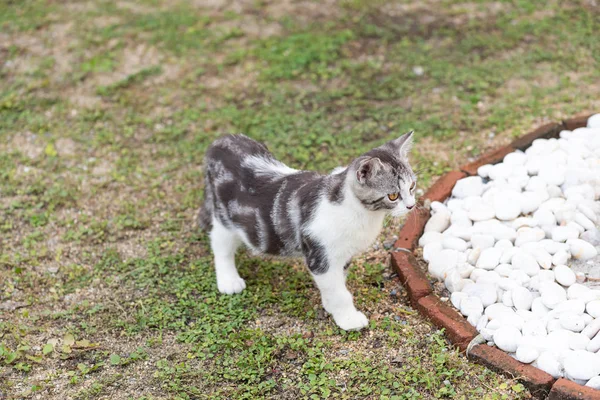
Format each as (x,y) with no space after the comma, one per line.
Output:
(410,207)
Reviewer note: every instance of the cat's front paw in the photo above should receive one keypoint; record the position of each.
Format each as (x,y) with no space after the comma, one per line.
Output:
(231,285)
(351,320)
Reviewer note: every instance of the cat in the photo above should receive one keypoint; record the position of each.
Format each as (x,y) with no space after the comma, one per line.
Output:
(252,198)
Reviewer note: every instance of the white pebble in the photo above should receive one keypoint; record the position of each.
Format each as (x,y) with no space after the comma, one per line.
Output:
(482,241)
(522,298)
(507,299)
(594,121)
(581,249)
(484,170)
(552,174)
(584,221)
(431,249)
(526,263)
(430,237)
(577,291)
(560,257)
(441,263)
(481,212)
(508,254)
(438,222)
(503,244)
(457,297)
(515,158)
(538,307)
(454,243)
(594,383)
(594,344)
(500,171)
(552,294)
(530,201)
(466,187)
(507,205)
(504,270)
(460,218)
(564,233)
(550,246)
(519,276)
(489,258)
(464,270)
(486,292)
(574,306)
(591,329)
(588,211)
(593,308)
(543,258)
(553,325)
(572,322)
(582,365)
(564,275)
(523,221)
(454,282)
(527,235)
(548,363)
(507,338)
(534,327)
(527,354)
(496,310)
(578,341)
(471,306)
(592,237)
(544,217)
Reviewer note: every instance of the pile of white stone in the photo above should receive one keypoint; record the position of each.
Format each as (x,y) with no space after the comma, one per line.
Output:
(509,244)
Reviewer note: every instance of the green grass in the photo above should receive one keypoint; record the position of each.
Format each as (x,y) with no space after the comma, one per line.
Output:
(106,285)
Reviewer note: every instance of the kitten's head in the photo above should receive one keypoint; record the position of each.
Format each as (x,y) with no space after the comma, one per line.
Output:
(383,179)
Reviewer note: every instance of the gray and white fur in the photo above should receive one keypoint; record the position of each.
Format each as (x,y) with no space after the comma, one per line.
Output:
(254,199)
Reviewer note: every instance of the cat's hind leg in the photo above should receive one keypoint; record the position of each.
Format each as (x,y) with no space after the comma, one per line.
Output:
(224,243)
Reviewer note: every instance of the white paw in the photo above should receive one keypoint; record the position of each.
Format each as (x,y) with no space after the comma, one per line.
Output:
(231,285)
(351,320)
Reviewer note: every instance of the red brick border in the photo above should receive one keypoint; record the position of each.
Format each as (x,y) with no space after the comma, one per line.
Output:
(574,123)
(567,390)
(457,329)
(413,279)
(536,380)
(412,229)
(544,131)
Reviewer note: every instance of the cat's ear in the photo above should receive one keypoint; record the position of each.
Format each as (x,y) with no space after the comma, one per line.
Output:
(403,144)
(367,169)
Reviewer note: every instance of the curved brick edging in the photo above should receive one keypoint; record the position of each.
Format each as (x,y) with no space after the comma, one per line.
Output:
(457,329)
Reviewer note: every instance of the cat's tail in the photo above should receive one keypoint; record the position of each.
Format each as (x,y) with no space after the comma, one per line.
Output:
(205,214)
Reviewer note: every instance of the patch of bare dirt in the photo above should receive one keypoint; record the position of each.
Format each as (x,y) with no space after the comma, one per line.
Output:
(135,7)
(251,25)
(241,76)
(105,21)
(466,12)
(80,6)
(28,144)
(308,11)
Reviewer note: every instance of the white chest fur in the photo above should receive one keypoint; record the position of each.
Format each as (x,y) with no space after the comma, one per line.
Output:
(345,229)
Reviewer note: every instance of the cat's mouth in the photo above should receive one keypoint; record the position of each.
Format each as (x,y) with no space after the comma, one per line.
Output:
(401,210)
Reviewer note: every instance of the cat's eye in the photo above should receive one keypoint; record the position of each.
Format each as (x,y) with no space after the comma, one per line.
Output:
(393,196)
(413,186)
